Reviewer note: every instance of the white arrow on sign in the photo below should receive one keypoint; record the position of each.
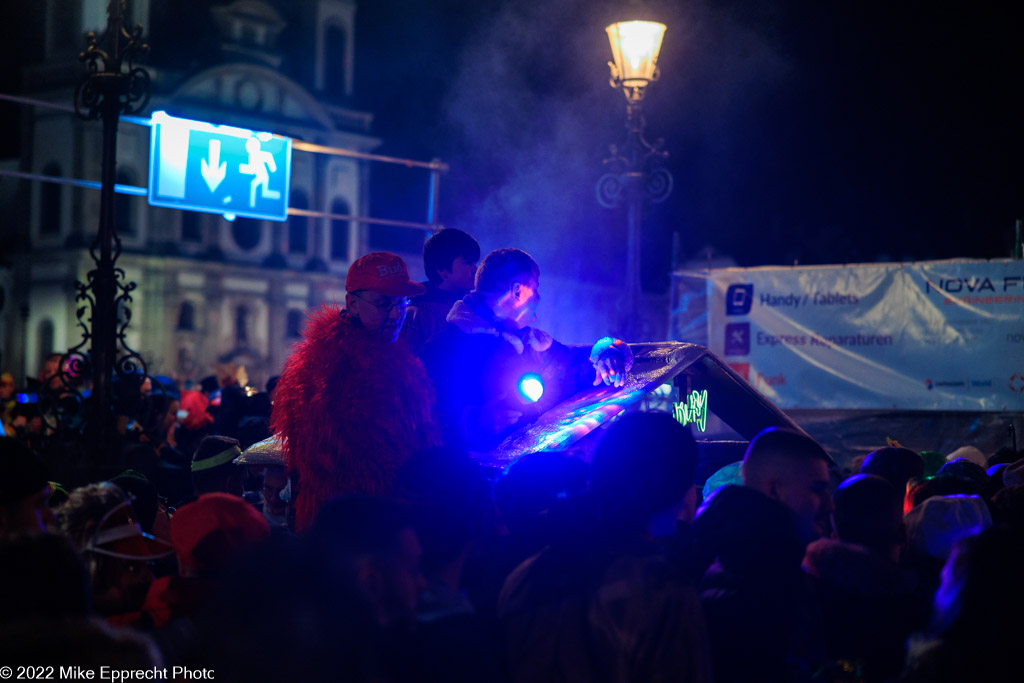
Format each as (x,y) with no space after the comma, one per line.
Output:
(214,171)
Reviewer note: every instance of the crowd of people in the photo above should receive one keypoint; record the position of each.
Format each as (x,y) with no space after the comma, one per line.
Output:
(338,526)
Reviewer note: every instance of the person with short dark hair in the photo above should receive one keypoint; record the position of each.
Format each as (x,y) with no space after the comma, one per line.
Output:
(449,258)
(792,468)
(479,361)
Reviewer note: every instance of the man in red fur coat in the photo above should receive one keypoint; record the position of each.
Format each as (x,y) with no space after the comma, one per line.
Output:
(352,405)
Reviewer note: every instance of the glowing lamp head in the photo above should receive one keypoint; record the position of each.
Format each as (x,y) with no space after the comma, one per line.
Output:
(635,47)
(531,387)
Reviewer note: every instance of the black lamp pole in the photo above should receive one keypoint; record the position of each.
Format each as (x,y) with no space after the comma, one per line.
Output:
(633,176)
(112,87)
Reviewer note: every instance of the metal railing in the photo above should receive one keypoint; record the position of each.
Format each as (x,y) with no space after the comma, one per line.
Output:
(436,167)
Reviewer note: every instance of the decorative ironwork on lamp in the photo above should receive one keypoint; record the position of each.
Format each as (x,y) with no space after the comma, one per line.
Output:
(633,172)
(113,86)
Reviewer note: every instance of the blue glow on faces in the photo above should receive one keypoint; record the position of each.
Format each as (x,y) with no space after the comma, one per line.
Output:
(531,387)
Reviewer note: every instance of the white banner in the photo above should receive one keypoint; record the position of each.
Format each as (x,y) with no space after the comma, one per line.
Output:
(940,335)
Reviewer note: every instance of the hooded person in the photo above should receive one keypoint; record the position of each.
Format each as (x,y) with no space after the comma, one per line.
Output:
(352,405)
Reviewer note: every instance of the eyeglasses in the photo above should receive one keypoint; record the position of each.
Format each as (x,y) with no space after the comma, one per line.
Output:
(401,304)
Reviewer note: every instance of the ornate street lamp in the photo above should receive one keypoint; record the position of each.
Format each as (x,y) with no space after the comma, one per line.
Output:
(634,173)
(113,86)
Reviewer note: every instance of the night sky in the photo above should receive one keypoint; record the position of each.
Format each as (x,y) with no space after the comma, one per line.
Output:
(810,132)
(825,131)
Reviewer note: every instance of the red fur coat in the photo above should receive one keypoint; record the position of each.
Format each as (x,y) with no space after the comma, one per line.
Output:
(350,410)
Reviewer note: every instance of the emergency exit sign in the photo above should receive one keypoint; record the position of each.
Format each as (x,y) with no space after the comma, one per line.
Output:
(201,166)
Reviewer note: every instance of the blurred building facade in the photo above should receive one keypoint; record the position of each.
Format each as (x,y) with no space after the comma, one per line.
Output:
(209,291)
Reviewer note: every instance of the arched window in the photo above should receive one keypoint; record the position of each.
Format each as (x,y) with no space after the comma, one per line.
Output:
(246,232)
(339,231)
(187,317)
(124,215)
(241,326)
(334,61)
(191,226)
(293,325)
(298,226)
(50,197)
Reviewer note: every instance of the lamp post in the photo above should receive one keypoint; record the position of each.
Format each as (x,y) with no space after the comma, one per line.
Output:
(113,86)
(634,173)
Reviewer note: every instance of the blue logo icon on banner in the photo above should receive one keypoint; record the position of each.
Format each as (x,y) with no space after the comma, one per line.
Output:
(738,299)
(218,169)
(737,339)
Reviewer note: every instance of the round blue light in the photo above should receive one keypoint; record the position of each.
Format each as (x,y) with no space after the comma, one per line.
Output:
(531,387)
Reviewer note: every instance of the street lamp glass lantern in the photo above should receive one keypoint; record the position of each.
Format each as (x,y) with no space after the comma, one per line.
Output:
(635,48)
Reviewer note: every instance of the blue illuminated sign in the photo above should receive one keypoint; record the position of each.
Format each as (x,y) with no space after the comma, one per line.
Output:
(200,166)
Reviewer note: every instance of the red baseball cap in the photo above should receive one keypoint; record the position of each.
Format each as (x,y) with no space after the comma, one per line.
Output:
(381,272)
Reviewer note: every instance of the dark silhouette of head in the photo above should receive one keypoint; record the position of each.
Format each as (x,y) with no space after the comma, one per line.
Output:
(869,512)
(42,576)
(535,486)
(644,468)
(971,471)
(451,254)
(449,503)
(1008,507)
(372,546)
(895,464)
(749,533)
